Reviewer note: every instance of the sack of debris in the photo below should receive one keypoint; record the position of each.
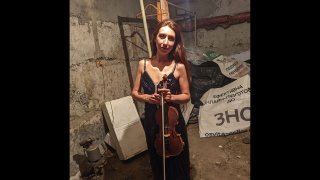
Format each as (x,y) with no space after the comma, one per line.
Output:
(210,69)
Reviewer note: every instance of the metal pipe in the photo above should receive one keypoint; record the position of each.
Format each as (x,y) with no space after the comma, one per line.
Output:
(145,27)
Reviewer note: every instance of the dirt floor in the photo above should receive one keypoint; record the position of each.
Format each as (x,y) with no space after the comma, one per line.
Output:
(213,158)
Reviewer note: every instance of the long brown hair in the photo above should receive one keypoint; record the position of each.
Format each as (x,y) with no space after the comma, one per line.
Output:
(178,52)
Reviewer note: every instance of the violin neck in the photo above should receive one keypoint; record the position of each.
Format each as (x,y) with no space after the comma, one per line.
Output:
(165,84)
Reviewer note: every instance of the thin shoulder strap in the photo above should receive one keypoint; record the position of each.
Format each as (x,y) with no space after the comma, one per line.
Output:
(174,67)
(144,65)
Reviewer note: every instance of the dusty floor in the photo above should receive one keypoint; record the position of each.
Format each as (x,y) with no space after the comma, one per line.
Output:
(213,158)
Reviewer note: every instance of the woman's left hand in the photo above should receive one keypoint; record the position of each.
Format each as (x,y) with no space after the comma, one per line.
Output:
(167,96)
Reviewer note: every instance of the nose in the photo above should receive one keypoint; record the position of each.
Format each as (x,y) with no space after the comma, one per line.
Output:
(165,41)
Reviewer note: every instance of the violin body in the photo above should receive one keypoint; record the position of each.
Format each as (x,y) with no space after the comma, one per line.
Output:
(172,140)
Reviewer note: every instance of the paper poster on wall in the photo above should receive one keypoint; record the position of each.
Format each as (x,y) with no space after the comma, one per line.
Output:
(232,67)
(226,110)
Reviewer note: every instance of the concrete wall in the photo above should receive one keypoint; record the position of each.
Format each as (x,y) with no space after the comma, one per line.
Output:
(232,40)
(98,66)
(212,8)
(227,41)
(98,71)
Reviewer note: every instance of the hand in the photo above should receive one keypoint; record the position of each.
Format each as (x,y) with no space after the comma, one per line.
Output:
(167,96)
(153,98)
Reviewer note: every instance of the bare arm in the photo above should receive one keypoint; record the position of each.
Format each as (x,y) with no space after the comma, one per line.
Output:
(136,94)
(184,97)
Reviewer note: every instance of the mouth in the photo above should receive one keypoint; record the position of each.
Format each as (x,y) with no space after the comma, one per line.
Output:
(164,47)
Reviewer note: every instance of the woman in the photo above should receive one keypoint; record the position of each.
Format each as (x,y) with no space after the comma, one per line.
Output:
(168,58)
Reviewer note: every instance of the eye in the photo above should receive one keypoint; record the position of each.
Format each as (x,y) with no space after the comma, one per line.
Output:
(171,38)
(162,36)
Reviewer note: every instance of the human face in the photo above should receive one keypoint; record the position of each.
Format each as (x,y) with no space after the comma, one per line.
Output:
(165,40)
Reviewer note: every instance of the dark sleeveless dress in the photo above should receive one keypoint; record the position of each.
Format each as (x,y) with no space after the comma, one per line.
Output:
(177,167)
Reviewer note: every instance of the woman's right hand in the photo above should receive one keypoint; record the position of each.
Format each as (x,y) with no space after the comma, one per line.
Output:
(153,98)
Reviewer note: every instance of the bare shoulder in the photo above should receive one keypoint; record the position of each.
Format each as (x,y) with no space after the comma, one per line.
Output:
(141,63)
(180,67)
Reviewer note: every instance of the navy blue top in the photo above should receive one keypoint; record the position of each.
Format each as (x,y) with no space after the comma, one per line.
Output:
(177,167)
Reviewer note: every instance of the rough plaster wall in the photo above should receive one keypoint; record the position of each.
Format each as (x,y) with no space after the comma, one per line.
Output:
(95,37)
(91,85)
(231,40)
(104,10)
(212,8)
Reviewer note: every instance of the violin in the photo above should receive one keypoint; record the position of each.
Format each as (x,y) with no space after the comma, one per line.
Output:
(168,142)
